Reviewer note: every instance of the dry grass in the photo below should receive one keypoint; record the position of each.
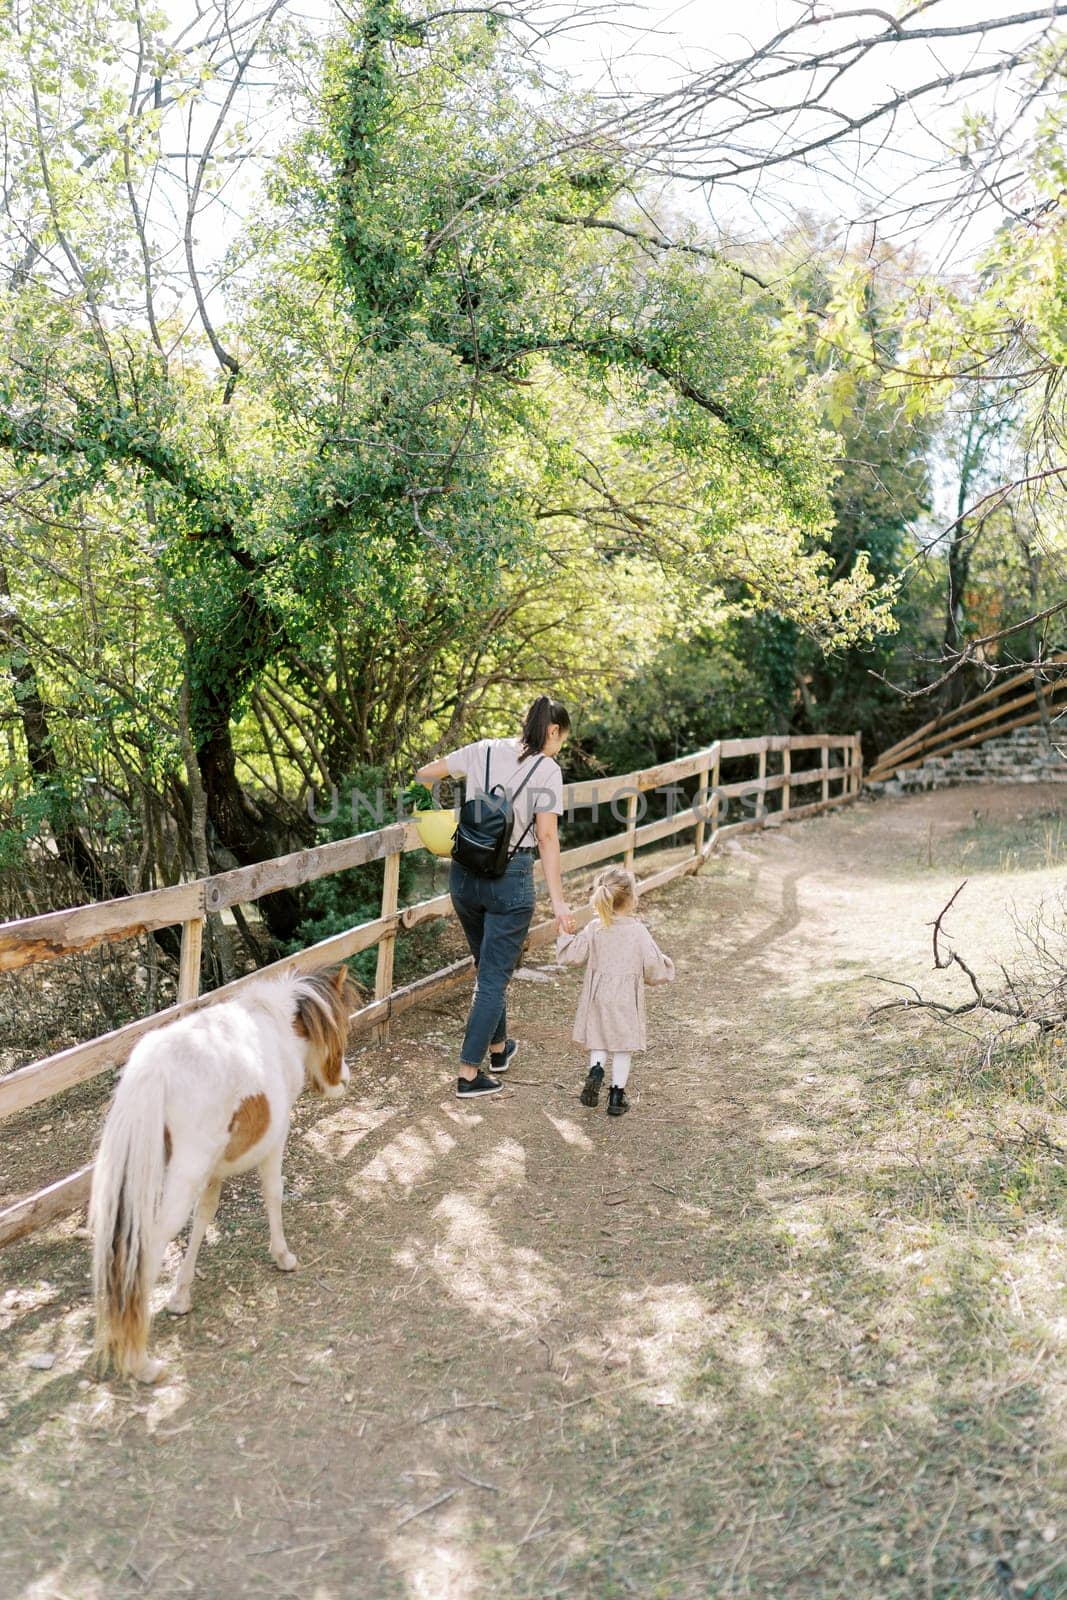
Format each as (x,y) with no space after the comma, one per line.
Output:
(793,1327)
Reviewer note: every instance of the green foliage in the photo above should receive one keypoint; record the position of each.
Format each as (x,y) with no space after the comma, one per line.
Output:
(418,798)
(442,443)
(706,687)
(341,901)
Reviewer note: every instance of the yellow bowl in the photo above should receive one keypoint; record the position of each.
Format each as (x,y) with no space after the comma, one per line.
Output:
(436,829)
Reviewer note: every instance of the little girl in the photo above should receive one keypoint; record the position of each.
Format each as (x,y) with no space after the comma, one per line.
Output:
(622,957)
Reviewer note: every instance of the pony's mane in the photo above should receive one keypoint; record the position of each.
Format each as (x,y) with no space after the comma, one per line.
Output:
(323,1002)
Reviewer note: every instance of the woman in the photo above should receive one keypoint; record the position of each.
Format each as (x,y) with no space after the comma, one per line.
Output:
(495,913)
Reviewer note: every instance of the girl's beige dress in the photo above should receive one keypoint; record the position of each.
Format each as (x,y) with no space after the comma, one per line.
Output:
(620,959)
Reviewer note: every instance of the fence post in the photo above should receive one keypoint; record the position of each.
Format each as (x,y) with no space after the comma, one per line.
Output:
(383,977)
(825,769)
(189,961)
(787,774)
(702,796)
(857,761)
(715,791)
(631,828)
(761,798)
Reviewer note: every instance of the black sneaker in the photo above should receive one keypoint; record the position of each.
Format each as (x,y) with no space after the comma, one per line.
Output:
(590,1095)
(503,1061)
(466,1088)
(618,1104)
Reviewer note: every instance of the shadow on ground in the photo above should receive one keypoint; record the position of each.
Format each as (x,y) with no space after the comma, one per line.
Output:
(785,1329)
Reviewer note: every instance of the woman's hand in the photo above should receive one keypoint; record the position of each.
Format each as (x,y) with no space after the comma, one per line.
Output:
(564,916)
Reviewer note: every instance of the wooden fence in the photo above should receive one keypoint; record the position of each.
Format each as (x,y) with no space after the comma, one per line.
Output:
(1011,703)
(39,939)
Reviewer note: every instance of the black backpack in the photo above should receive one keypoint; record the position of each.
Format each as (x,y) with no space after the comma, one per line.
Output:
(484,829)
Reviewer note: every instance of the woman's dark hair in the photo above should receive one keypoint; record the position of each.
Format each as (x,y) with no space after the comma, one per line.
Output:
(540,717)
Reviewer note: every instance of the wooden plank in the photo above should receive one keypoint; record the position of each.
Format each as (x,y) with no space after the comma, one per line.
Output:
(425,910)
(936,745)
(40,1079)
(808,775)
(671,772)
(730,749)
(702,800)
(411,994)
(306,866)
(795,741)
(713,807)
(189,963)
(37,1210)
(1027,721)
(631,829)
(597,791)
(383,977)
(948,735)
(751,786)
(761,789)
(584,855)
(945,718)
(601,791)
(663,827)
(58,933)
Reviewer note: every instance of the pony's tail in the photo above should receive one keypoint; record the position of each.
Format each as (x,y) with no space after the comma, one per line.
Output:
(127,1190)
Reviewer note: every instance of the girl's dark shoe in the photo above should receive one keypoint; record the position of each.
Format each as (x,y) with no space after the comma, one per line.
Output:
(618,1104)
(590,1095)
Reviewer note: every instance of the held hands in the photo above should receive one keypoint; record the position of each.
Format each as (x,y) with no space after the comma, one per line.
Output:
(564,916)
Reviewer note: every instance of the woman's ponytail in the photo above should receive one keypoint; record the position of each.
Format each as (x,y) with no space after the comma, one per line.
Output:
(539,718)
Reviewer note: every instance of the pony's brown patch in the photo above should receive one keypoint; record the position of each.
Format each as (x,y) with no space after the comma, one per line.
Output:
(322,1019)
(247,1126)
(168,1145)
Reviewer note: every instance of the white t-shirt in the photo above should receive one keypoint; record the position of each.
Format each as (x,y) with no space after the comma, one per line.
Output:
(542,792)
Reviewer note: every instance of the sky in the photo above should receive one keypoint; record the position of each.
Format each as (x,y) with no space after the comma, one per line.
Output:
(653,46)
(873,185)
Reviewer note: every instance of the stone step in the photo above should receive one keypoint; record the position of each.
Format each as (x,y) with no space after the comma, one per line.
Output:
(1022,756)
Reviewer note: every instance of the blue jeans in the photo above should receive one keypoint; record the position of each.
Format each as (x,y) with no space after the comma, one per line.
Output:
(495,914)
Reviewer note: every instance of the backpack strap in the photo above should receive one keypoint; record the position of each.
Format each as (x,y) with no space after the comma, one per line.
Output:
(514,797)
(525,780)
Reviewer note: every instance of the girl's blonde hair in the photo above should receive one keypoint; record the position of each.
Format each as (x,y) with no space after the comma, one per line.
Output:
(614,890)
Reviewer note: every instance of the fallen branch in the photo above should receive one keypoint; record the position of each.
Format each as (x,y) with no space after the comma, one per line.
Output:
(1037,996)
(421,1511)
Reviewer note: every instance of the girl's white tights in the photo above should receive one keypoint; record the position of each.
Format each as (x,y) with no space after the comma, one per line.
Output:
(620,1065)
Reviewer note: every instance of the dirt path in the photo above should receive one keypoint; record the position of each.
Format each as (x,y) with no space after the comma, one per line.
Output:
(794,1327)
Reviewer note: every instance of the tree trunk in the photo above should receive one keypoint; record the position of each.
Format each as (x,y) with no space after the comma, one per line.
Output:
(100,881)
(250,831)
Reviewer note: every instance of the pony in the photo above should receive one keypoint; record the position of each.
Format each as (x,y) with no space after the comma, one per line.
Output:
(202,1099)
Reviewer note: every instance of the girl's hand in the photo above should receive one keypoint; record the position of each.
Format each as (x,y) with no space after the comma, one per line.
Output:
(564,916)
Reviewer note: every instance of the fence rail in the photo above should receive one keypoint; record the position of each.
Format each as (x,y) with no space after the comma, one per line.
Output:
(34,940)
(962,728)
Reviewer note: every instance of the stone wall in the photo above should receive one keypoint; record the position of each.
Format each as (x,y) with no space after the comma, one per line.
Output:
(1020,757)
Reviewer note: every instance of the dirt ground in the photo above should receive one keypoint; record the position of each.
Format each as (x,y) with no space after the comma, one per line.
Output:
(796,1326)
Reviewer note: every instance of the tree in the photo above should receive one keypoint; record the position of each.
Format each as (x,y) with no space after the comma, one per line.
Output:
(443,328)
